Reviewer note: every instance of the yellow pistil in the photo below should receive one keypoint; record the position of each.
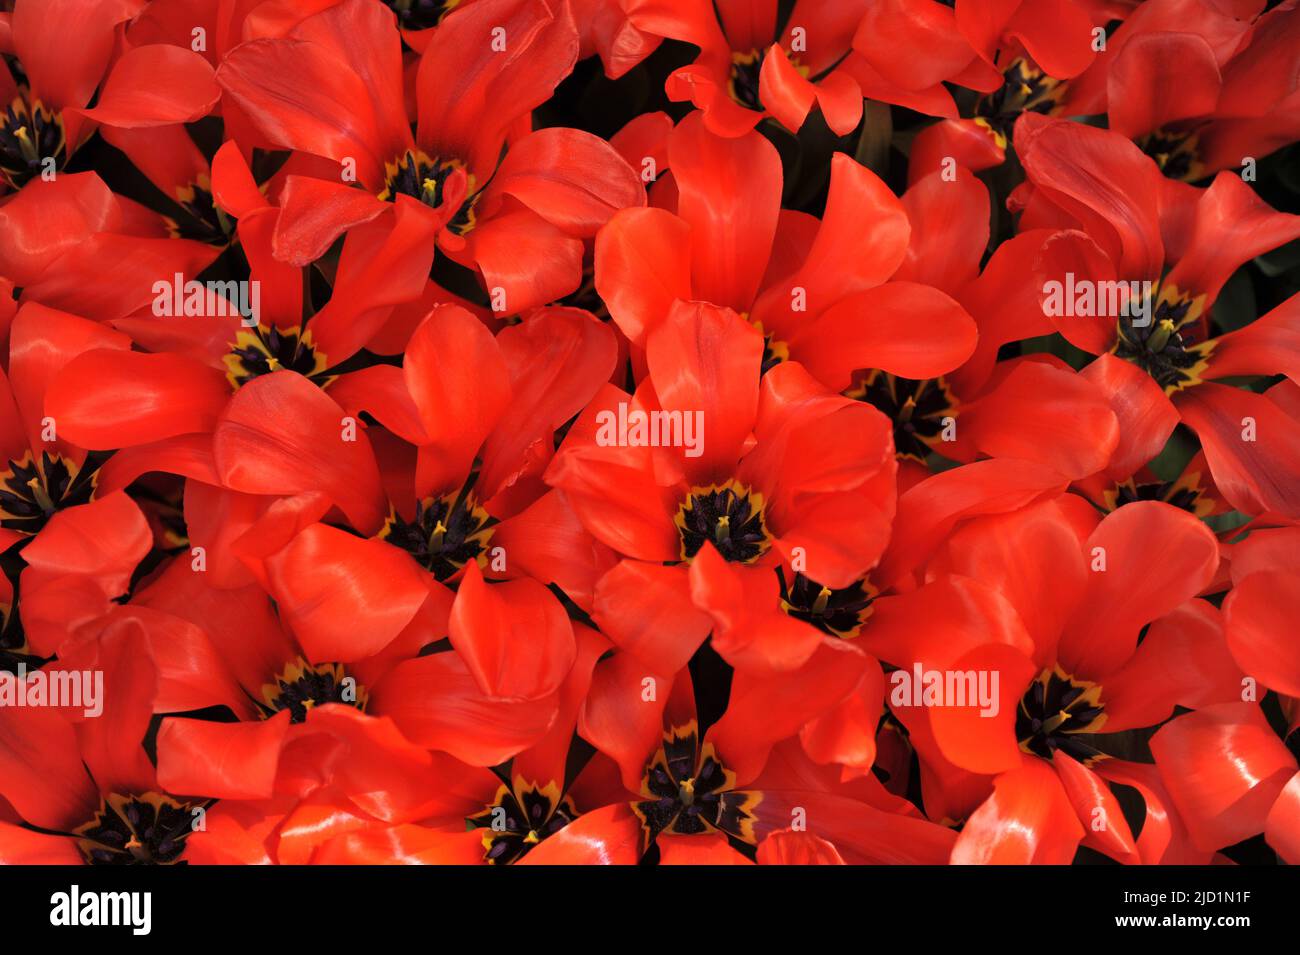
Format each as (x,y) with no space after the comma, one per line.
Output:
(1050,725)
(26,145)
(722,532)
(40,495)
(1160,337)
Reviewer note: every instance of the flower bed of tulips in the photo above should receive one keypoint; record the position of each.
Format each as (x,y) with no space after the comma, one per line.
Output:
(659,431)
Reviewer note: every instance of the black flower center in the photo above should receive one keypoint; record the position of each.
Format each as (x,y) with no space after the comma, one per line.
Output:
(685,791)
(13,641)
(688,791)
(31,492)
(29,135)
(1184,493)
(421,14)
(304,685)
(512,824)
(445,534)
(200,217)
(774,352)
(838,612)
(730,516)
(137,830)
(917,408)
(745,71)
(1174,152)
(1024,89)
(1162,348)
(1056,712)
(262,350)
(420,177)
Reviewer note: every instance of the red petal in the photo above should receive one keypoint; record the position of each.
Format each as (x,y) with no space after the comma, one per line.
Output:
(332,87)
(470,92)
(610,835)
(107,398)
(797,848)
(840,98)
(846,733)
(112,744)
(1183,660)
(750,630)
(65,46)
(950,230)
(1269,345)
(1146,417)
(705,359)
(1034,558)
(19,846)
(913,45)
(1155,557)
(401,845)
(1232,225)
(710,850)
(514,637)
(156,85)
(729,192)
(220,760)
(1282,827)
(280,434)
(570,178)
(646,610)
(383,264)
(1224,767)
(784,92)
(42,342)
(525,260)
(80,562)
(1027,820)
(47,219)
(623,715)
(929,511)
(1097,808)
(459,383)
(643,263)
(878,329)
(976,738)
(974,147)
(344,597)
(42,774)
(862,241)
(765,708)
(547,542)
(381,772)
(1259,614)
(1141,98)
(557,359)
(1021,419)
(314,213)
(1253,447)
(1104,181)
(1056,33)
(613,490)
(436,702)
